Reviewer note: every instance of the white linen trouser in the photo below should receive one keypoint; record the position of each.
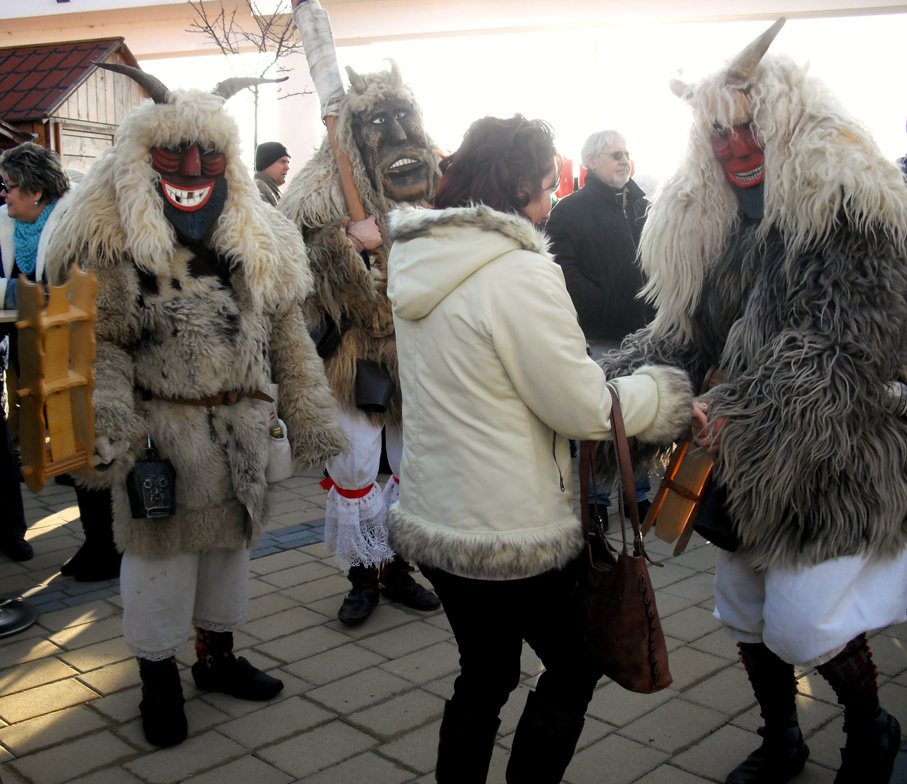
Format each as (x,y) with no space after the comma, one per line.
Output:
(807,615)
(355,528)
(164,597)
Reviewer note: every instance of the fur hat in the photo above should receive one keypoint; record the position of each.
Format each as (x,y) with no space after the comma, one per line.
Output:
(269,152)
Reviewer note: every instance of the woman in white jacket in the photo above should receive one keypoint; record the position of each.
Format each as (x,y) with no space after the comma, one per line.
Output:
(495,380)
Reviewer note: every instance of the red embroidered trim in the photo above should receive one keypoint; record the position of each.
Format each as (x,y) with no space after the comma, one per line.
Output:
(328,483)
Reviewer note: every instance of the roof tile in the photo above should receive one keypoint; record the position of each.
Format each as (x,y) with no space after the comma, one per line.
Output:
(36,78)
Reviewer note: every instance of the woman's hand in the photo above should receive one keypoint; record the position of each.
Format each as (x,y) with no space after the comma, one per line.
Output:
(706,434)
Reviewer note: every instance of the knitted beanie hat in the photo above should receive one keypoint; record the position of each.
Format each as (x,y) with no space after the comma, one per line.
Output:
(268,152)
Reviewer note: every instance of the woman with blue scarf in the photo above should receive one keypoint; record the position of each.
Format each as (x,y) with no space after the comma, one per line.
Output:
(37,192)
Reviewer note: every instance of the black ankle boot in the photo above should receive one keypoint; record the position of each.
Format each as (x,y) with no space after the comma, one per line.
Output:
(781,756)
(362,599)
(873,736)
(92,563)
(543,744)
(868,756)
(398,585)
(163,719)
(217,669)
(465,746)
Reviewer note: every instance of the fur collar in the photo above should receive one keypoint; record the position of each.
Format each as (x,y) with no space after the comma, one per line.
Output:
(408,223)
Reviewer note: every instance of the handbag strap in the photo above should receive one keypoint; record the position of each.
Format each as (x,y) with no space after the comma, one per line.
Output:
(625,485)
(587,470)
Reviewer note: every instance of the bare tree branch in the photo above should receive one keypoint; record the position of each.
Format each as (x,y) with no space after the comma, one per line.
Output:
(274,35)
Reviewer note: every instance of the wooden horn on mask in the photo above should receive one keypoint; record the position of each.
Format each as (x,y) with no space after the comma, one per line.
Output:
(356,81)
(229,87)
(396,76)
(744,64)
(679,88)
(151,84)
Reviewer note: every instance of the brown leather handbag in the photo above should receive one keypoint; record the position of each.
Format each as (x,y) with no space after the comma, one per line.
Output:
(616,599)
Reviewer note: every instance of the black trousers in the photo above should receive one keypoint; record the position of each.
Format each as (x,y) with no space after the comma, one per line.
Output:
(14,525)
(491,618)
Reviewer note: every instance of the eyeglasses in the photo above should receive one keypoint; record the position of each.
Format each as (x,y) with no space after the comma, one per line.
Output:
(617,155)
(7,188)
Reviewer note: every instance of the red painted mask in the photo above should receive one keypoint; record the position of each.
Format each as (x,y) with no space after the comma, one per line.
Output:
(740,156)
(187,175)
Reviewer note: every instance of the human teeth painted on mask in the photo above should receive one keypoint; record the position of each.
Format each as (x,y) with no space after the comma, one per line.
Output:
(402,162)
(187,199)
(749,177)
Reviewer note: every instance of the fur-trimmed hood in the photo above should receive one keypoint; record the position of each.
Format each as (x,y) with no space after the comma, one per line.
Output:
(433,276)
(822,169)
(120,209)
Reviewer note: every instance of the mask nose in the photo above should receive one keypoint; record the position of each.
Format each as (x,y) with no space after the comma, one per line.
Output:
(739,145)
(397,132)
(191,163)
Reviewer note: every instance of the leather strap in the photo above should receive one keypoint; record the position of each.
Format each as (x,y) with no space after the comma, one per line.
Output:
(626,488)
(222,399)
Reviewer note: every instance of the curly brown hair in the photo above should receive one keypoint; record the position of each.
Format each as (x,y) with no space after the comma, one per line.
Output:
(35,168)
(501,164)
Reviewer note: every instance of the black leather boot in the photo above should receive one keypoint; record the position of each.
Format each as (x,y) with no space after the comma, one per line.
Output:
(783,753)
(163,719)
(217,669)
(869,755)
(873,736)
(398,585)
(543,744)
(362,599)
(97,558)
(465,745)
(781,756)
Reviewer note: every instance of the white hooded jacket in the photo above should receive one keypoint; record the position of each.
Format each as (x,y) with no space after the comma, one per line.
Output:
(495,380)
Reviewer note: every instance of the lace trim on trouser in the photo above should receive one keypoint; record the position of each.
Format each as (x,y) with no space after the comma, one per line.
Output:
(354,528)
(154,656)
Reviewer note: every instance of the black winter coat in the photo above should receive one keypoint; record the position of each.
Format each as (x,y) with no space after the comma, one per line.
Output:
(594,239)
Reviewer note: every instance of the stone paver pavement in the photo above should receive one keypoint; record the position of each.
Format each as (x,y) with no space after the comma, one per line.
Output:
(360,704)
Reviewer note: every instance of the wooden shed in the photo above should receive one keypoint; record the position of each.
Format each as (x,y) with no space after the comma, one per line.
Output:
(54,95)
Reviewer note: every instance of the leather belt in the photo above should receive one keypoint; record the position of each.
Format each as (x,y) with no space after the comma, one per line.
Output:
(221,399)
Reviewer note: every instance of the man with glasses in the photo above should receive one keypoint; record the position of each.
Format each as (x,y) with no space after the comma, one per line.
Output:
(594,235)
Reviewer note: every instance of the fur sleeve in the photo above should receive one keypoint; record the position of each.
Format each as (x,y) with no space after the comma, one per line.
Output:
(343,284)
(305,402)
(639,353)
(116,416)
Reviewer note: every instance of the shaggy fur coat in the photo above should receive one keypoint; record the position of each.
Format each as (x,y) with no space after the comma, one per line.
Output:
(349,292)
(803,310)
(190,322)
